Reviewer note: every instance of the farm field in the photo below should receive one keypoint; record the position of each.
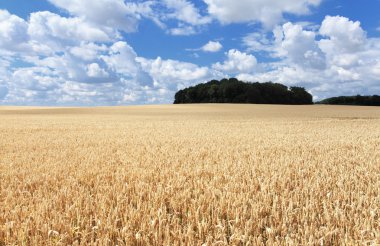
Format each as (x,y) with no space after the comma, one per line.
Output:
(190,175)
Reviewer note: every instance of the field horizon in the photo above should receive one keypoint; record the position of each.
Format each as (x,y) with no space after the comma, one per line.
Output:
(195,106)
(190,174)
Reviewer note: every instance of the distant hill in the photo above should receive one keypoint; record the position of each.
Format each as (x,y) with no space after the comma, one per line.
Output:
(235,91)
(353,100)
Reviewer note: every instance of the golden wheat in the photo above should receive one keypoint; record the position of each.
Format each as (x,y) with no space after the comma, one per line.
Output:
(190,175)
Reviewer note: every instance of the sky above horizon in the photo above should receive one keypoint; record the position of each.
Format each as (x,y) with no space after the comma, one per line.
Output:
(115,52)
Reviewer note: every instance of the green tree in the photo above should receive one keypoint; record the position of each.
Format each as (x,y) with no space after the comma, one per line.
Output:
(235,91)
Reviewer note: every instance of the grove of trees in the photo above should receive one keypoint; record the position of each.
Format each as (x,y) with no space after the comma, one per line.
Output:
(353,100)
(235,91)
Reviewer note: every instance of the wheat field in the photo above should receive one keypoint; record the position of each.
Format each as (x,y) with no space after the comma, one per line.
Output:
(190,175)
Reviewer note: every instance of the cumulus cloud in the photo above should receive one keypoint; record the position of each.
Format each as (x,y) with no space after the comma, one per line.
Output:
(125,16)
(212,46)
(66,60)
(267,12)
(173,75)
(95,71)
(237,62)
(347,47)
(188,16)
(122,59)
(88,50)
(185,11)
(145,10)
(337,59)
(46,26)
(35,79)
(82,58)
(299,46)
(257,42)
(13,35)
(74,60)
(344,35)
(106,13)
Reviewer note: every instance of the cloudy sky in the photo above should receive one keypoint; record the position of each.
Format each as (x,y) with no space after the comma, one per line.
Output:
(116,52)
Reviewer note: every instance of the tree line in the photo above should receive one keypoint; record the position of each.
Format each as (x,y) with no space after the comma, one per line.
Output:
(353,100)
(235,91)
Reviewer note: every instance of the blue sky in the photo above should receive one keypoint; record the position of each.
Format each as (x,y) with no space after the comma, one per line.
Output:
(115,52)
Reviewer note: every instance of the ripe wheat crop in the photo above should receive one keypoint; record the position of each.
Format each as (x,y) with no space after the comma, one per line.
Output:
(190,175)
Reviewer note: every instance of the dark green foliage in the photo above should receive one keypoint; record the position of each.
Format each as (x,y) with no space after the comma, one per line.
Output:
(235,91)
(353,100)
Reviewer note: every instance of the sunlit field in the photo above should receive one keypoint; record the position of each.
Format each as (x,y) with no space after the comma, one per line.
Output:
(190,175)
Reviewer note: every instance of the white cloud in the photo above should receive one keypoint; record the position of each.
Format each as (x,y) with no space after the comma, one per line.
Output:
(188,16)
(299,47)
(345,74)
(343,62)
(47,25)
(88,51)
(110,15)
(145,9)
(94,94)
(70,68)
(182,30)
(290,75)
(13,34)
(185,11)
(376,69)
(130,97)
(82,58)
(212,46)
(258,41)
(69,60)
(122,59)
(115,14)
(173,75)
(35,79)
(237,62)
(268,12)
(344,35)
(95,71)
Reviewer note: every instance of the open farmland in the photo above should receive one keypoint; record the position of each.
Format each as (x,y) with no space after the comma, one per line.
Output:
(190,174)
